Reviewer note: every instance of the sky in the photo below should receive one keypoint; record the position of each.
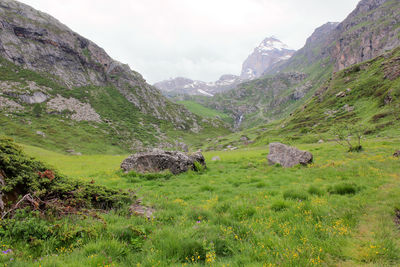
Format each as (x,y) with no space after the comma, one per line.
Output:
(197,39)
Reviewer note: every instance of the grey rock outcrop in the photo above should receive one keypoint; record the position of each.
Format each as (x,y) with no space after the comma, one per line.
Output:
(80,111)
(37,97)
(288,156)
(159,160)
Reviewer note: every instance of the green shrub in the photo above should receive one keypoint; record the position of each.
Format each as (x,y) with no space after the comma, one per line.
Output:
(295,194)
(198,167)
(314,190)
(279,205)
(24,175)
(344,189)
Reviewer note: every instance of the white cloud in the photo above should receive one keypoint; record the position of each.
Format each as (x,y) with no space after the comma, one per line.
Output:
(191,38)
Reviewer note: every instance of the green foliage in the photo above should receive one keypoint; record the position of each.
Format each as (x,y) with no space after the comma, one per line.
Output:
(203,111)
(37,110)
(224,217)
(314,190)
(295,194)
(344,189)
(279,205)
(24,175)
(133,176)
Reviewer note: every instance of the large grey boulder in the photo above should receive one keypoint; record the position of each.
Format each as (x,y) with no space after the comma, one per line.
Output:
(288,156)
(159,160)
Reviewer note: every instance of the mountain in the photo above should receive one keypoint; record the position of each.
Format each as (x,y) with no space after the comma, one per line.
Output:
(75,90)
(269,52)
(370,30)
(363,95)
(185,86)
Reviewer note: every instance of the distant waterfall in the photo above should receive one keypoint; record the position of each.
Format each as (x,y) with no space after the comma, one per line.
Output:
(238,121)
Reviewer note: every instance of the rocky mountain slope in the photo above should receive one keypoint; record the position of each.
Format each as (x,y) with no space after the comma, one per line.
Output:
(185,86)
(65,78)
(269,52)
(365,95)
(370,30)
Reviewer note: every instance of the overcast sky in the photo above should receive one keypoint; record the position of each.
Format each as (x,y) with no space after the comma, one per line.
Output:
(198,39)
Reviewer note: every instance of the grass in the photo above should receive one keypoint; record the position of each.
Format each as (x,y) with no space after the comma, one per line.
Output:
(203,111)
(239,212)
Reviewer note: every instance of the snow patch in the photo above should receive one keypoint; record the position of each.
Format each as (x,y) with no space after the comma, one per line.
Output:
(204,92)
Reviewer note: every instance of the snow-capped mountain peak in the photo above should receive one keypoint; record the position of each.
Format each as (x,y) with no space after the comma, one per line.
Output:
(269,52)
(270,44)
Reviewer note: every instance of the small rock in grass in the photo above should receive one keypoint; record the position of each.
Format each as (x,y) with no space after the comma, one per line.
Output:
(41,133)
(216,158)
(288,156)
(396,154)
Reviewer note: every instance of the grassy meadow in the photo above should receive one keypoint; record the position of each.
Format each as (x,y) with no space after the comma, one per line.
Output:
(339,211)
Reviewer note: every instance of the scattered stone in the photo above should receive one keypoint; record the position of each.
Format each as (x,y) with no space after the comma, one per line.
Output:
(388,98)
(10,105)
(81,111)
(341,94)
(244,138)
(216,158)
(182,146)
(37,97)
(348,108)
(330,113)
(138,209)
(288,156)
(234,148)
(159,160)
(41,133)
(396,154)
(320,141)
(348,90)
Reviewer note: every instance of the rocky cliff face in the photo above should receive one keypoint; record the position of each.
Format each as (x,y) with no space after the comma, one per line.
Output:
(38,42)
(269,52)
(370,30)
(185,86)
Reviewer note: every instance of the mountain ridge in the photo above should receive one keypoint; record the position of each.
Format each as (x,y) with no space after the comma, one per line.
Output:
(267,53)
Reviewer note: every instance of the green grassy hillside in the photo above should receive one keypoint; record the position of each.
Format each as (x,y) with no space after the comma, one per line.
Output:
(203,111)
(123,127)
(365,96)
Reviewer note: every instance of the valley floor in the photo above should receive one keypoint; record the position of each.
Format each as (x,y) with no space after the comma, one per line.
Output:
(340,211)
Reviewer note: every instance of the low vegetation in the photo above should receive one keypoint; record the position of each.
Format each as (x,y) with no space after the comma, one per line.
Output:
(240,211)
